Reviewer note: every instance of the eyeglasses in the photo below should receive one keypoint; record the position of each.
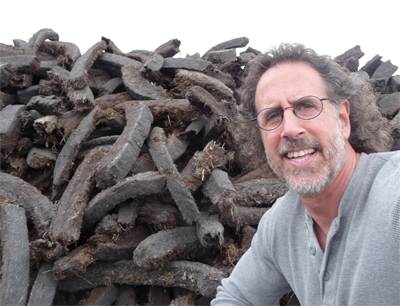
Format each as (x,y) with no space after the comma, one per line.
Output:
(306,108)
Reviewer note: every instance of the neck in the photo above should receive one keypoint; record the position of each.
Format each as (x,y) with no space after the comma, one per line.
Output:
(324,207)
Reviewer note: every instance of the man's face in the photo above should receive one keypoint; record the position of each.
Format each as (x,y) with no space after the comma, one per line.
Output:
(306,154)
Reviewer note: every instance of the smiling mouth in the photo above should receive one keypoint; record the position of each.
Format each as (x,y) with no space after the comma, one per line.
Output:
(301,155)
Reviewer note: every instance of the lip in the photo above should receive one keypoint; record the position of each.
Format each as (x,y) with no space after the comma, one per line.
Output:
(298,162)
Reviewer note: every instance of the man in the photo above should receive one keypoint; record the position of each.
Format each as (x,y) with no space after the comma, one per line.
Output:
(334,238)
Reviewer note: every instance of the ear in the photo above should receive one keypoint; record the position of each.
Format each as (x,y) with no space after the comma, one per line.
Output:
(344,118)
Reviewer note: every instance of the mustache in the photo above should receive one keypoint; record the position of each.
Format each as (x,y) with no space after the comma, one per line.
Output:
(296,143)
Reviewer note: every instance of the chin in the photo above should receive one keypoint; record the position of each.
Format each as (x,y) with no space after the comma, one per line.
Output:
(309,186)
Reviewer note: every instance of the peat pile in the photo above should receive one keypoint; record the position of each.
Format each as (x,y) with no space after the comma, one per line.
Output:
(121,178)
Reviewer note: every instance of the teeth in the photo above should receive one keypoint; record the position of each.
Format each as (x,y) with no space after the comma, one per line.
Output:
(300,153)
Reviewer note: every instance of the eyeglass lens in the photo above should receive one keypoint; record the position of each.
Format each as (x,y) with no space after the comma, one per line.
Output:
(306,108)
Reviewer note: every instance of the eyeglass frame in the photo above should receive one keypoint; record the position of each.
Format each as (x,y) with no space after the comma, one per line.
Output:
(294,112)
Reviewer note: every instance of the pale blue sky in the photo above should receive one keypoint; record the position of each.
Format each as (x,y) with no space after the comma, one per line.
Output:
(327,28)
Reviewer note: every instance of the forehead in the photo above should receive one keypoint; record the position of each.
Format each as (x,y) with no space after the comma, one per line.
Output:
(286,83)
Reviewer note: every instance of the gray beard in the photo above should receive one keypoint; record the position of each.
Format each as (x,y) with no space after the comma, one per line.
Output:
(315,179)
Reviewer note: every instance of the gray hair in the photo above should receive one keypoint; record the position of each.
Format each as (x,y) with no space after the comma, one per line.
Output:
(370,131)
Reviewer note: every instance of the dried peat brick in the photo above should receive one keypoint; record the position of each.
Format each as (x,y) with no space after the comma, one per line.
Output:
(259,192)
(113,63)
(128,212)
(158,149)
(143,163)
(124,152)
(187,79)
(138,185)
(74,263)
(23,80)
(110,87)
(44,288)
(40,157)
(198,277)
(70,150)
(221,56)
(175,112)
(240,216)
(45,125)
(390,104)
(350,58)
(18,192)
(239,42)
(159,152)
(210,231)
(101,141)
(6,72)
(179,110)
(150,59)
(371,66)
(24,95)
(247,234)
(75,199)
(111,46)
(194,128)
(38,38)
(48,105)
(22,64)
(183,198)
(186,63)
(109,101)
(48,251)
(219,189)
(7,99)
(67,53)
(15,254)
(155,62)
(394,80)
(164,246)
(158,214)
(82,98)
(6,50)
(139,87)
(10,127)
(203,163)
(202,99)
(169,49)
(45,66)
(79,71)
(102,296)
(263,171)
(114,248)
(176,146)
(108,225)
(384,72)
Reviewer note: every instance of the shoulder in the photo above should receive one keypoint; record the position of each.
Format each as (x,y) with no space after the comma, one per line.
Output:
(380,161)
(378,169)
(383,182)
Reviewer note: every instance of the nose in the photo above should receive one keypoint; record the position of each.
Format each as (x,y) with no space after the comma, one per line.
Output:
(292,126)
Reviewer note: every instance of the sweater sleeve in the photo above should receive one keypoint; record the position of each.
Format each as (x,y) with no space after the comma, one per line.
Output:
(255,280)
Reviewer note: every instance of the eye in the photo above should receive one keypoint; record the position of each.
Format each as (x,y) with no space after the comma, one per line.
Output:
(269,117)
(305,105)
(273,115)
(308,107)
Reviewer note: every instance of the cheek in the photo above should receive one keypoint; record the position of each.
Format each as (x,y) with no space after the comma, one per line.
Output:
(270,144)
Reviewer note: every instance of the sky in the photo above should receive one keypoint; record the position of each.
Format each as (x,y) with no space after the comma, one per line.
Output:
(328,27)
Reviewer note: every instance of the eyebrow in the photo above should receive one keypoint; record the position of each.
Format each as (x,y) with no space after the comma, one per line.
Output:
(280,107)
